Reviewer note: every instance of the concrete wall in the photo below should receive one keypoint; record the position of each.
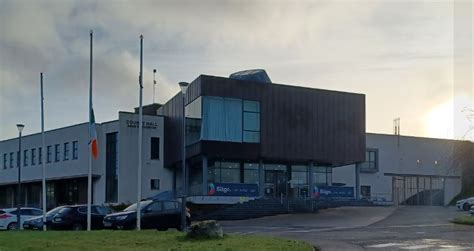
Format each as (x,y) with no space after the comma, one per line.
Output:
(128,158)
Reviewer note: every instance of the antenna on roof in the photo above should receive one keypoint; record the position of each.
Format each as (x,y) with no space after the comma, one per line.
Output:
(154,83)
(396,129)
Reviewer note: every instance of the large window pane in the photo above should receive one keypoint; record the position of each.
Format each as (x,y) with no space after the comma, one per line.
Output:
(251,173)
(251,137)
(233,120)
(214,119)
(251,106)
(193,121)
(225,172)
(251,121)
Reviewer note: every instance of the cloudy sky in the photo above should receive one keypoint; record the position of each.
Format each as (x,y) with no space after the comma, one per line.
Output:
(400,54)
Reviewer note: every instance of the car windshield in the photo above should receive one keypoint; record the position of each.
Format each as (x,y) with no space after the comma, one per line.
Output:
(64,210)
(133,207)
(54,211)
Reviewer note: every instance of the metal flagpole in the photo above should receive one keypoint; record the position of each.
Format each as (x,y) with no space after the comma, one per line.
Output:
(140,133)
(89,176)
(43,155)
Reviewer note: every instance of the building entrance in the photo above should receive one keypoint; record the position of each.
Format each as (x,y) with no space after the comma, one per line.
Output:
(276,180)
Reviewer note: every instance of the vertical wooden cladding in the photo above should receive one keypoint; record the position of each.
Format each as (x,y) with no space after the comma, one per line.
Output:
(297,124)
(173,113)
(303,124)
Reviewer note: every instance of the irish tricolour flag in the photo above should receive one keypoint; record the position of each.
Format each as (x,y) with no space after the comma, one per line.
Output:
(93,135)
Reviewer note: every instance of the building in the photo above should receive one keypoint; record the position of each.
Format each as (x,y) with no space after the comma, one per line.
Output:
(256,138)
(249,138)
(114,172)
(407,170)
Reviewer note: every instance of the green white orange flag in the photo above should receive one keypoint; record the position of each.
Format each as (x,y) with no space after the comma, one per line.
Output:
(93,135)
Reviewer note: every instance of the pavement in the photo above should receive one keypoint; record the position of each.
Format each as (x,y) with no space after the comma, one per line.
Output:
(366,228)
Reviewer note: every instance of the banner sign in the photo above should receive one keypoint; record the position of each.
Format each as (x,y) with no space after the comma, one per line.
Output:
(333,192)
(233,189)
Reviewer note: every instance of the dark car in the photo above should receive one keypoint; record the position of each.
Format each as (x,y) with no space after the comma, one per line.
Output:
(36,223)
(155,214)
(75,217)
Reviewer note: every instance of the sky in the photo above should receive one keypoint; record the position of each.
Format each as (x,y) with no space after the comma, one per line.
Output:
(412,59)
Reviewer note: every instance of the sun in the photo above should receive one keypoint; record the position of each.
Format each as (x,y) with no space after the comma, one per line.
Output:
(451,119)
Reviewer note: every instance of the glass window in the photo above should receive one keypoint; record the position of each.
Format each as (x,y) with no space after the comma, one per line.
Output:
(155,207)
(11,160)
(66,151)
(322,175)
(4,161)
(251,173)
(25,157)
(155,184)
(155,148)
(33,156)
(222,119)
(251,137)
(169,205)
(74,150)
(371,161)
(48,154)
(225,172)
(251,106)
(251,121)
(299,175)
(40,155)
(56,153)
(193,121)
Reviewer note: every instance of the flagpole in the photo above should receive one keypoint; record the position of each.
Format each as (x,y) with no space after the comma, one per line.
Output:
(140,133)
(89,176)
(43,155)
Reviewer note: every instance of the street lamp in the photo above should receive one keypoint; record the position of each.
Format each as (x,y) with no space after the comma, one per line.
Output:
(184,87)
(18,193)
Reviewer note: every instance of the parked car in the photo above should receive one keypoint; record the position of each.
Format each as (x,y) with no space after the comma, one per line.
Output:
(465,204)
(75,217)
(155,214)
(36,223)
(471,211)
(8,216)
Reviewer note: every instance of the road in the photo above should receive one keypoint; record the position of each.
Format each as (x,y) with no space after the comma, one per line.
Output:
(367,228)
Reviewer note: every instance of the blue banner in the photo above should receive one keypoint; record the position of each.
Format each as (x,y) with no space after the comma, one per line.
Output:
(233,189)
(333,192)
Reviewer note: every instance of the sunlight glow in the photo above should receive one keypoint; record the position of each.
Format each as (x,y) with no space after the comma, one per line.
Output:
(451,119)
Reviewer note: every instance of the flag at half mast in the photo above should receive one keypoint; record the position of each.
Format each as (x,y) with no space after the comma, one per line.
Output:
(93,135)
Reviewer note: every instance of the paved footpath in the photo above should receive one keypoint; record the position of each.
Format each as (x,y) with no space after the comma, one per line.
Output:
(367,228)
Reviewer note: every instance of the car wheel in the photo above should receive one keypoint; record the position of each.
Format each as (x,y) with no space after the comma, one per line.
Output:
(11,226)
(77,227)
(465,207)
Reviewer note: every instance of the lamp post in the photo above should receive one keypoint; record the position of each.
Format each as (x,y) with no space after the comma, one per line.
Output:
(18,192)
(184,87)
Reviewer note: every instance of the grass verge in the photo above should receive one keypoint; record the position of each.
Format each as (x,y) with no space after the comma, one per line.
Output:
(134,240)
(464,219)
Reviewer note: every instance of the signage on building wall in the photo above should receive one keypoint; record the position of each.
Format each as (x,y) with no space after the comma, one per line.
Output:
(233,189)
(333,192)
(145,124)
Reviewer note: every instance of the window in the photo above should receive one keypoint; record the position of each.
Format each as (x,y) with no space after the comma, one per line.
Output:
(155,184)
(225,172)
(111,167)
(365,192)
(193,121)
(322,176)
(56,153)
(11,160)
(155,207)
(251,116)
(74,149)
(155,148)
(25,158)
(251,173)
(169,205)
(4,161)
(33,156)
(40,155)
(66,151)
(371,161)
(48,154)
